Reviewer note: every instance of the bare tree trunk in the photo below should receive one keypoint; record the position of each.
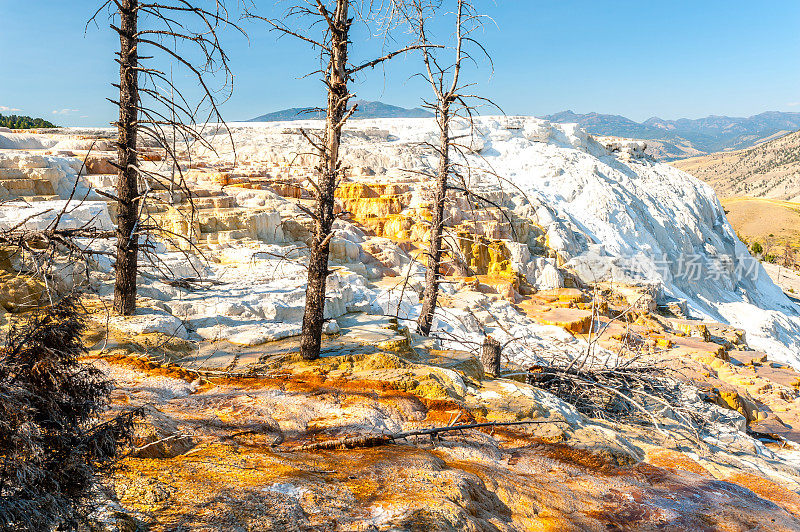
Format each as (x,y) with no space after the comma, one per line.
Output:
(329,32)
(490,356)
(445,82)
(338,96)
(152,106)
(431,291)
(127,178)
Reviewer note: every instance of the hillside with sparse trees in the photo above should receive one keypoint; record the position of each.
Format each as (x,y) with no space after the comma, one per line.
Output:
(769,170)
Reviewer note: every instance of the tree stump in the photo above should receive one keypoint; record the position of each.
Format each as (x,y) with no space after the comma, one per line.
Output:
(490,356)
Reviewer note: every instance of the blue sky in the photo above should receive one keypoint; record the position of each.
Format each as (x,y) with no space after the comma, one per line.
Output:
(636,58)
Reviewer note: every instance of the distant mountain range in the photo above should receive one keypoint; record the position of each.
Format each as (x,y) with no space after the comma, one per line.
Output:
(366,109)
(674,139)
(668,139)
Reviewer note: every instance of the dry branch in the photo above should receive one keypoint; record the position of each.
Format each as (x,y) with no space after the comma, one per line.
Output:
(637,394)
(375,440)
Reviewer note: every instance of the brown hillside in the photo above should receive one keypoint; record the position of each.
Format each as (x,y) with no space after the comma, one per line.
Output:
(769,170)
(755,219)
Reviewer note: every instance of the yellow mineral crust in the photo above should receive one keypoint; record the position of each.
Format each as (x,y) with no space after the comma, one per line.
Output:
(241,472)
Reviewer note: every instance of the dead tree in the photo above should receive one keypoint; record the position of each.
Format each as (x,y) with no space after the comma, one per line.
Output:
(127,177)
(328,26)
(181,33)
(490,356)
(789,257)
(450,103)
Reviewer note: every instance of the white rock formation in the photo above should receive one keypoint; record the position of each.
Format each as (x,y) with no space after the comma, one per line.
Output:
(609,217)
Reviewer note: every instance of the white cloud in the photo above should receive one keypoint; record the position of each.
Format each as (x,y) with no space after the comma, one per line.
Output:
(5,109)
(793,104)
(66,111)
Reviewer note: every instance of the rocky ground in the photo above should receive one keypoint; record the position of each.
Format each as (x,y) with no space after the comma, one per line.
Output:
(217,454)
(211,354)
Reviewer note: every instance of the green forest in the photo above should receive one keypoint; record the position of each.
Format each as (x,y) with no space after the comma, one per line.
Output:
(24,122)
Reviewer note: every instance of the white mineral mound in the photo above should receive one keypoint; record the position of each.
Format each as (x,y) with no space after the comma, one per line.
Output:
(611,215)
